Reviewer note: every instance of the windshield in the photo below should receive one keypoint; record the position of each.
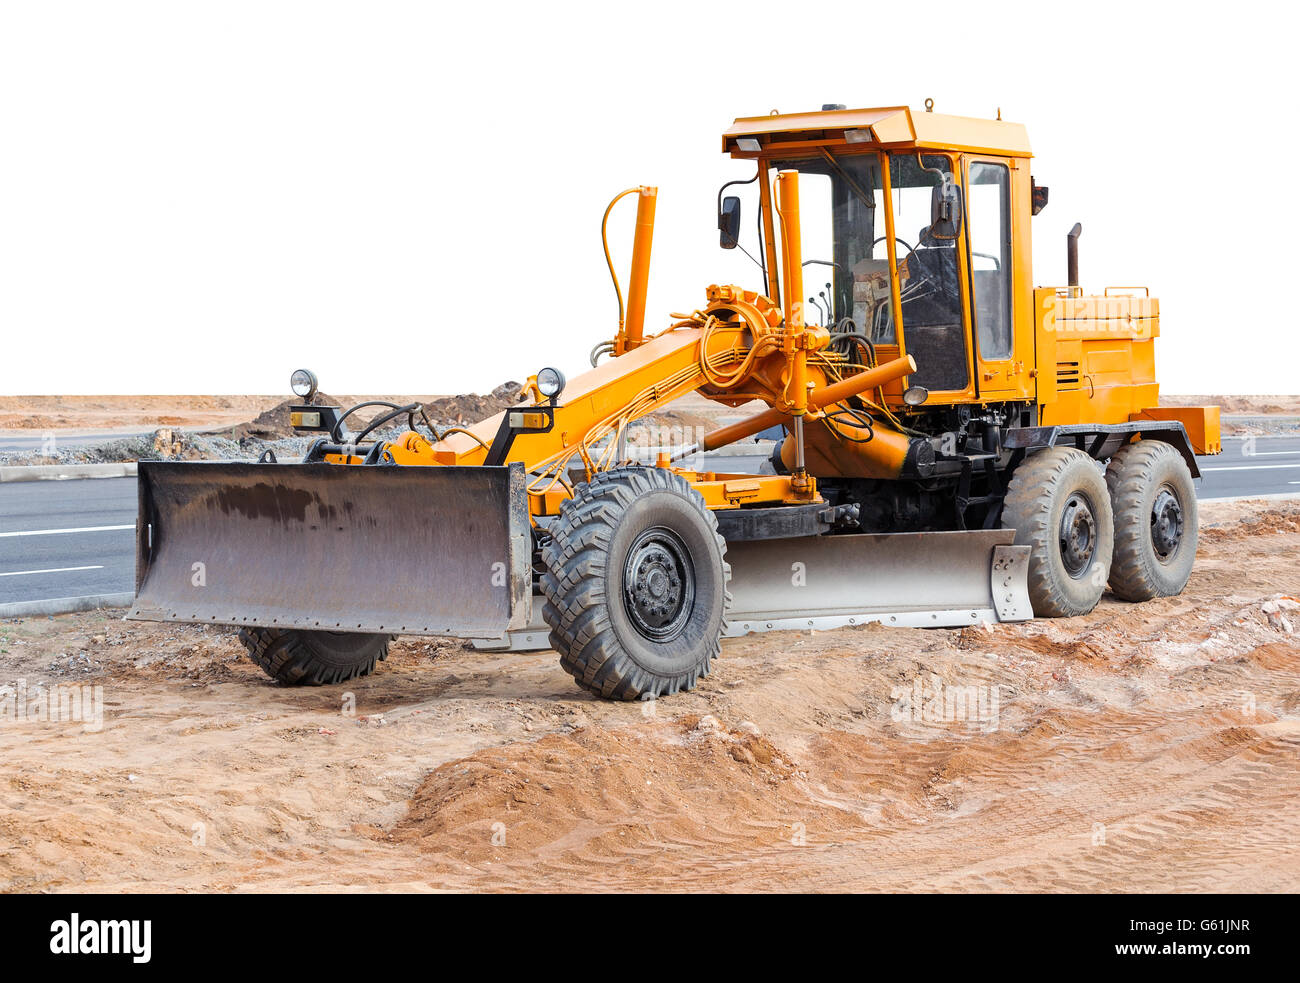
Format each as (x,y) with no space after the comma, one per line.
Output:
(846,259)
(842,225)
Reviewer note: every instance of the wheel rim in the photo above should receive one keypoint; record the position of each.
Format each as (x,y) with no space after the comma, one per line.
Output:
(1077,534)
(658,584)
(1166,524)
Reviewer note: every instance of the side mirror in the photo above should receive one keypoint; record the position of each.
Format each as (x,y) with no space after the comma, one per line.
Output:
(1037,197)
(945,211)
(729,222)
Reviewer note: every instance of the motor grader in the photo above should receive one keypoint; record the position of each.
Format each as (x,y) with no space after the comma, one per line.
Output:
(957,446)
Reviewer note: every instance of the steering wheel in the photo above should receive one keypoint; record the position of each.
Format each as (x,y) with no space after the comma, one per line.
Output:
(910,250)
(919,281)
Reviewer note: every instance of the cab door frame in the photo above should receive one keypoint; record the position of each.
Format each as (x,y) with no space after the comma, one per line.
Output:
(1011,377)
(937,397)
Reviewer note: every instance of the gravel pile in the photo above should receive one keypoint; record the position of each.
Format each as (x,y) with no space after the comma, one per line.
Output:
(163,445)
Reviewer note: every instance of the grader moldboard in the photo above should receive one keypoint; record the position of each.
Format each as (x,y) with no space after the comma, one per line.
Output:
(958,447)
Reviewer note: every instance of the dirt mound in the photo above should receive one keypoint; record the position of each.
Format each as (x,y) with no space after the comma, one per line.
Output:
(606,792)
(1276,403)
(472,408)
(126,412)
(1283,518)
(35,421)
(273,424)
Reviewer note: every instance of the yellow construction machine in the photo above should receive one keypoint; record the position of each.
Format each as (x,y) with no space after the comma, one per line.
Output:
(957,446)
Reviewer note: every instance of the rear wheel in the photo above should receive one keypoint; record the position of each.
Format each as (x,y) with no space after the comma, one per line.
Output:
(1057,503)
(1156,525)
(635,584)
(313,658)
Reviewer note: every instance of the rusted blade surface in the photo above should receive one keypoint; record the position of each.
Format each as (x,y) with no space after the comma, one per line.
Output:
(400,550)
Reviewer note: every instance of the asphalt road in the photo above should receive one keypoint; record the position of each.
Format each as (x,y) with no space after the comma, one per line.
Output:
(40,558)
(1251,466)
(75,538)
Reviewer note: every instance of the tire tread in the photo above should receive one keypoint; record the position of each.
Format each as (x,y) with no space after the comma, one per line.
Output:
(1027,508)
(573,585)
(286,655)
(1130,473)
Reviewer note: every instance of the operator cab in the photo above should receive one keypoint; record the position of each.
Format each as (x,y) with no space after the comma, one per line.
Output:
(906,223)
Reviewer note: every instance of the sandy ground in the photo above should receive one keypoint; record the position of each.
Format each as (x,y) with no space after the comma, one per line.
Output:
(138,413)
(210,412)
(1287,405)
(79,413)
(117,428)
(1142,748)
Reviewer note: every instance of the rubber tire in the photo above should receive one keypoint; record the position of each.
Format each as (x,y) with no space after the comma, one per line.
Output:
(313,658)
(1134,475)
(598,644)
(1036,496)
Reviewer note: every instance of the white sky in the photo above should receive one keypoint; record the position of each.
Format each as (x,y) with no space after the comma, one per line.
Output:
(406,197)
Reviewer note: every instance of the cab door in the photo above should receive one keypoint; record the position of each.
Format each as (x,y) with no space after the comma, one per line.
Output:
(997,275)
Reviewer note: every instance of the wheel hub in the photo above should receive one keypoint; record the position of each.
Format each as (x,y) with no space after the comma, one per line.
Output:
(658,584)
(1078,535)
(1166,524)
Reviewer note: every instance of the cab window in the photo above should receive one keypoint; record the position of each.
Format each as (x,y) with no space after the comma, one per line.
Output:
(989,211)
(845,255)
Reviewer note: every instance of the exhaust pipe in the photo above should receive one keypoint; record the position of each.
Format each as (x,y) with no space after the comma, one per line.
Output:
(1072,255)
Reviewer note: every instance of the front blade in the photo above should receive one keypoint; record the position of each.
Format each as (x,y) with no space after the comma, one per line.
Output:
(397,550)
(912,580)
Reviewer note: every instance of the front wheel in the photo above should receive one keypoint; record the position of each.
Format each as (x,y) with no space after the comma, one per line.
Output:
(313,658)
(636,584)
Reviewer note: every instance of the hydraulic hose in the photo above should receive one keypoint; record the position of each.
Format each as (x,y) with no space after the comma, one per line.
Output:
(609,261)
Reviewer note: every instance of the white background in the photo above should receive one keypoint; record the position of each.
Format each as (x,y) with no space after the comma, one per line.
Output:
(406,197)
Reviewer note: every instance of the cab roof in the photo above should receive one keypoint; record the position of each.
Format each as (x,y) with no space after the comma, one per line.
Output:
(892,127)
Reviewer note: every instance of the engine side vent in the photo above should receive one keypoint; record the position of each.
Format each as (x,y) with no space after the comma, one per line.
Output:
(1067,375)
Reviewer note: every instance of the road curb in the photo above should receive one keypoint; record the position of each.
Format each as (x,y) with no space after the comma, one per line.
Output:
(65,605)
(62,472)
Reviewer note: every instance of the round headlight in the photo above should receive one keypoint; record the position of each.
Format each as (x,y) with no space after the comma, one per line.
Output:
(550,382)
(916,395)
(303,383)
